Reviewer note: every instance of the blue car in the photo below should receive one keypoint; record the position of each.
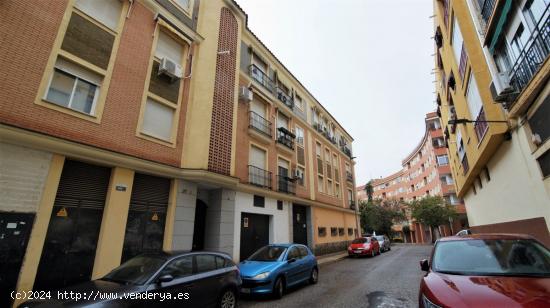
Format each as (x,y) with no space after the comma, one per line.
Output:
(274,268)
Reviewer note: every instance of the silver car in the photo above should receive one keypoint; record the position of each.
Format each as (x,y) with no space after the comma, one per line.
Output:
(384,242)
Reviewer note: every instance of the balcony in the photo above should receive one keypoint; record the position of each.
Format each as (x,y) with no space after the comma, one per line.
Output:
(349,176)
(352,205)
(286,185)
(486,8)
(259,177)
(346,150)
(262,78)
(285,98)
(285,137)
(258,123)
(533,54)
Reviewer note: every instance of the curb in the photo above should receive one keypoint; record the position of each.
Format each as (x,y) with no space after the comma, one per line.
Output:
(331,259)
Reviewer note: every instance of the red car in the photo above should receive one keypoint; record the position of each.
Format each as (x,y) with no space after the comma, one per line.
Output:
(486,270)
(364,246)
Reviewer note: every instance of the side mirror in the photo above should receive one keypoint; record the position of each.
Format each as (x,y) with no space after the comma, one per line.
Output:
(425,265)
(291,260)
(165,278)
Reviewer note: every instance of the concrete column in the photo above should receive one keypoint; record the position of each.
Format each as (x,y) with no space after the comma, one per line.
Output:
(113,226)
(40,227)
(184,222)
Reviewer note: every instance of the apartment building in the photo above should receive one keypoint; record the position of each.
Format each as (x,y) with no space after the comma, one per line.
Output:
(135,126)
(425,172)
(492,70)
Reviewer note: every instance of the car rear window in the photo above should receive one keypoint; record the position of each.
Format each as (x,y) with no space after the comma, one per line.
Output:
(380,238)
(361,240)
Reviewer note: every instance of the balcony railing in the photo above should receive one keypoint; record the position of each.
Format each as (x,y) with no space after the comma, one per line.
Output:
(533,54)
(352,205)
(259,177)
(346,151)
(285,98)
(487,7)
(286,184)
(463,62)
(258,123)
(349,176)
(481,127)
(285,137)
(261,77)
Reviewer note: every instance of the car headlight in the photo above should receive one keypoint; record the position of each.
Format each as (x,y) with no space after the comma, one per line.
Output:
(427,303)
(261,276)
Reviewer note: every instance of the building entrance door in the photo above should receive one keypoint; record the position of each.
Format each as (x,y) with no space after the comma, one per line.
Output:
(299,224)
(254,233)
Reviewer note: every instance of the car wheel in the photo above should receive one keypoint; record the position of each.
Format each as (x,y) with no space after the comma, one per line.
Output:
(228,299)
(389,248)
(372,254)
(278,288)
(314,277)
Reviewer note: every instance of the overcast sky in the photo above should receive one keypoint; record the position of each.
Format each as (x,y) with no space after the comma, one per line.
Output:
(368,62)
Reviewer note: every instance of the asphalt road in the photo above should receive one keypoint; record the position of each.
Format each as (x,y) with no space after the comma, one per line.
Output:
(388,280)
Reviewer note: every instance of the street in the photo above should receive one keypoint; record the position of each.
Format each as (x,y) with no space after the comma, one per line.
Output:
(388,280)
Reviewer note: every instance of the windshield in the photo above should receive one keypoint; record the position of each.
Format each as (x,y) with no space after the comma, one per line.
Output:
(360,240)
(136,270)
(268,253)
(492,258)
(380,238)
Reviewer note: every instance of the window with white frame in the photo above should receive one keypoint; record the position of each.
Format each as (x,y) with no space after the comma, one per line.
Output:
(184,4)
(473,98)
(299,136)
(257,157)
(299,102)
(457,40)
(442,160)
(320,184)
(107,12)
(282,120)
(72,86)
(158,120)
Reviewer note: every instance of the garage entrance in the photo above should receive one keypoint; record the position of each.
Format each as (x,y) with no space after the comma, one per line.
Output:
(254,233)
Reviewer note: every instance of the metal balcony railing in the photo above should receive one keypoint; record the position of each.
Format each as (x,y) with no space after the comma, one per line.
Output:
(285,98)
(286,184)
(346,151)
(487,7)
(349,176)
(533,54)
(481,127)
(261,77)
(259,177)
(258,123)
(285,137)
(463,62)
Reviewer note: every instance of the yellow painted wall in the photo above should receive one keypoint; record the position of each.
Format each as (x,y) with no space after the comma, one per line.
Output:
(113,225)
(40,227)
(328,218)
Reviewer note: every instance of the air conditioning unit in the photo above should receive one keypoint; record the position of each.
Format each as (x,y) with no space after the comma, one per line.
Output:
(170,68)
(501,89)
(298,174)
(245,94)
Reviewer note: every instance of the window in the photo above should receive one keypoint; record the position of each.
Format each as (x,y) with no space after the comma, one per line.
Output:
(318,149)
(205,263)
(329,187)
(259,201)
(169,48)
(350,196)
(181,267)
(158,120)
(473,98)
(337,190)
(257,157)
(282,120)
(544,163)
(539,123)
(320,184)
(303,251)
(106,12)
(341,232)
(299,102)
(350,231)
(299,136)
(457,40)
(184,4)
(442,160)
(301,180)
(279,205)
(333,231)
(322,231)
(73,87)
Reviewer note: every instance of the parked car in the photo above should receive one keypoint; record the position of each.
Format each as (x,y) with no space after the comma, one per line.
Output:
(274,268)
(190,279)
(364,246)
(384,242)
(486,270)
(464,232)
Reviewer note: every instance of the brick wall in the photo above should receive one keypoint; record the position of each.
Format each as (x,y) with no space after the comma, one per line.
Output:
(23,57)
(219,156)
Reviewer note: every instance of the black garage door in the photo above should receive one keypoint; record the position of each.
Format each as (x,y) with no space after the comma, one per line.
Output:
(254,233)
(71,241)
(147,215)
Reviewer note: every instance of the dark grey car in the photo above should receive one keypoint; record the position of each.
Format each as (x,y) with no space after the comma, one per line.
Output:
(384,242)
(166,279)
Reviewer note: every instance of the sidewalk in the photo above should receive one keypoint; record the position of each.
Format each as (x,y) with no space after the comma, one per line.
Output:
(332,257)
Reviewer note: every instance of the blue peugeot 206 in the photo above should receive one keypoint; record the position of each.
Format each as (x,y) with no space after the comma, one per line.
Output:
(274,268)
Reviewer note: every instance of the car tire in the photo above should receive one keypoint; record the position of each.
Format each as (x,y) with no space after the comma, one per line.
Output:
(389,248)
(278,288)
(228,299)
(372,254)
(314,276)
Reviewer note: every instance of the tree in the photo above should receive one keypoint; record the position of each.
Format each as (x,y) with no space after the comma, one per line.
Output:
(432,211)
(379,217)
(369,190)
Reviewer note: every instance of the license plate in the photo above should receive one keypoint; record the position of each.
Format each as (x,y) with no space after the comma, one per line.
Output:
(245,290)
(357,251)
